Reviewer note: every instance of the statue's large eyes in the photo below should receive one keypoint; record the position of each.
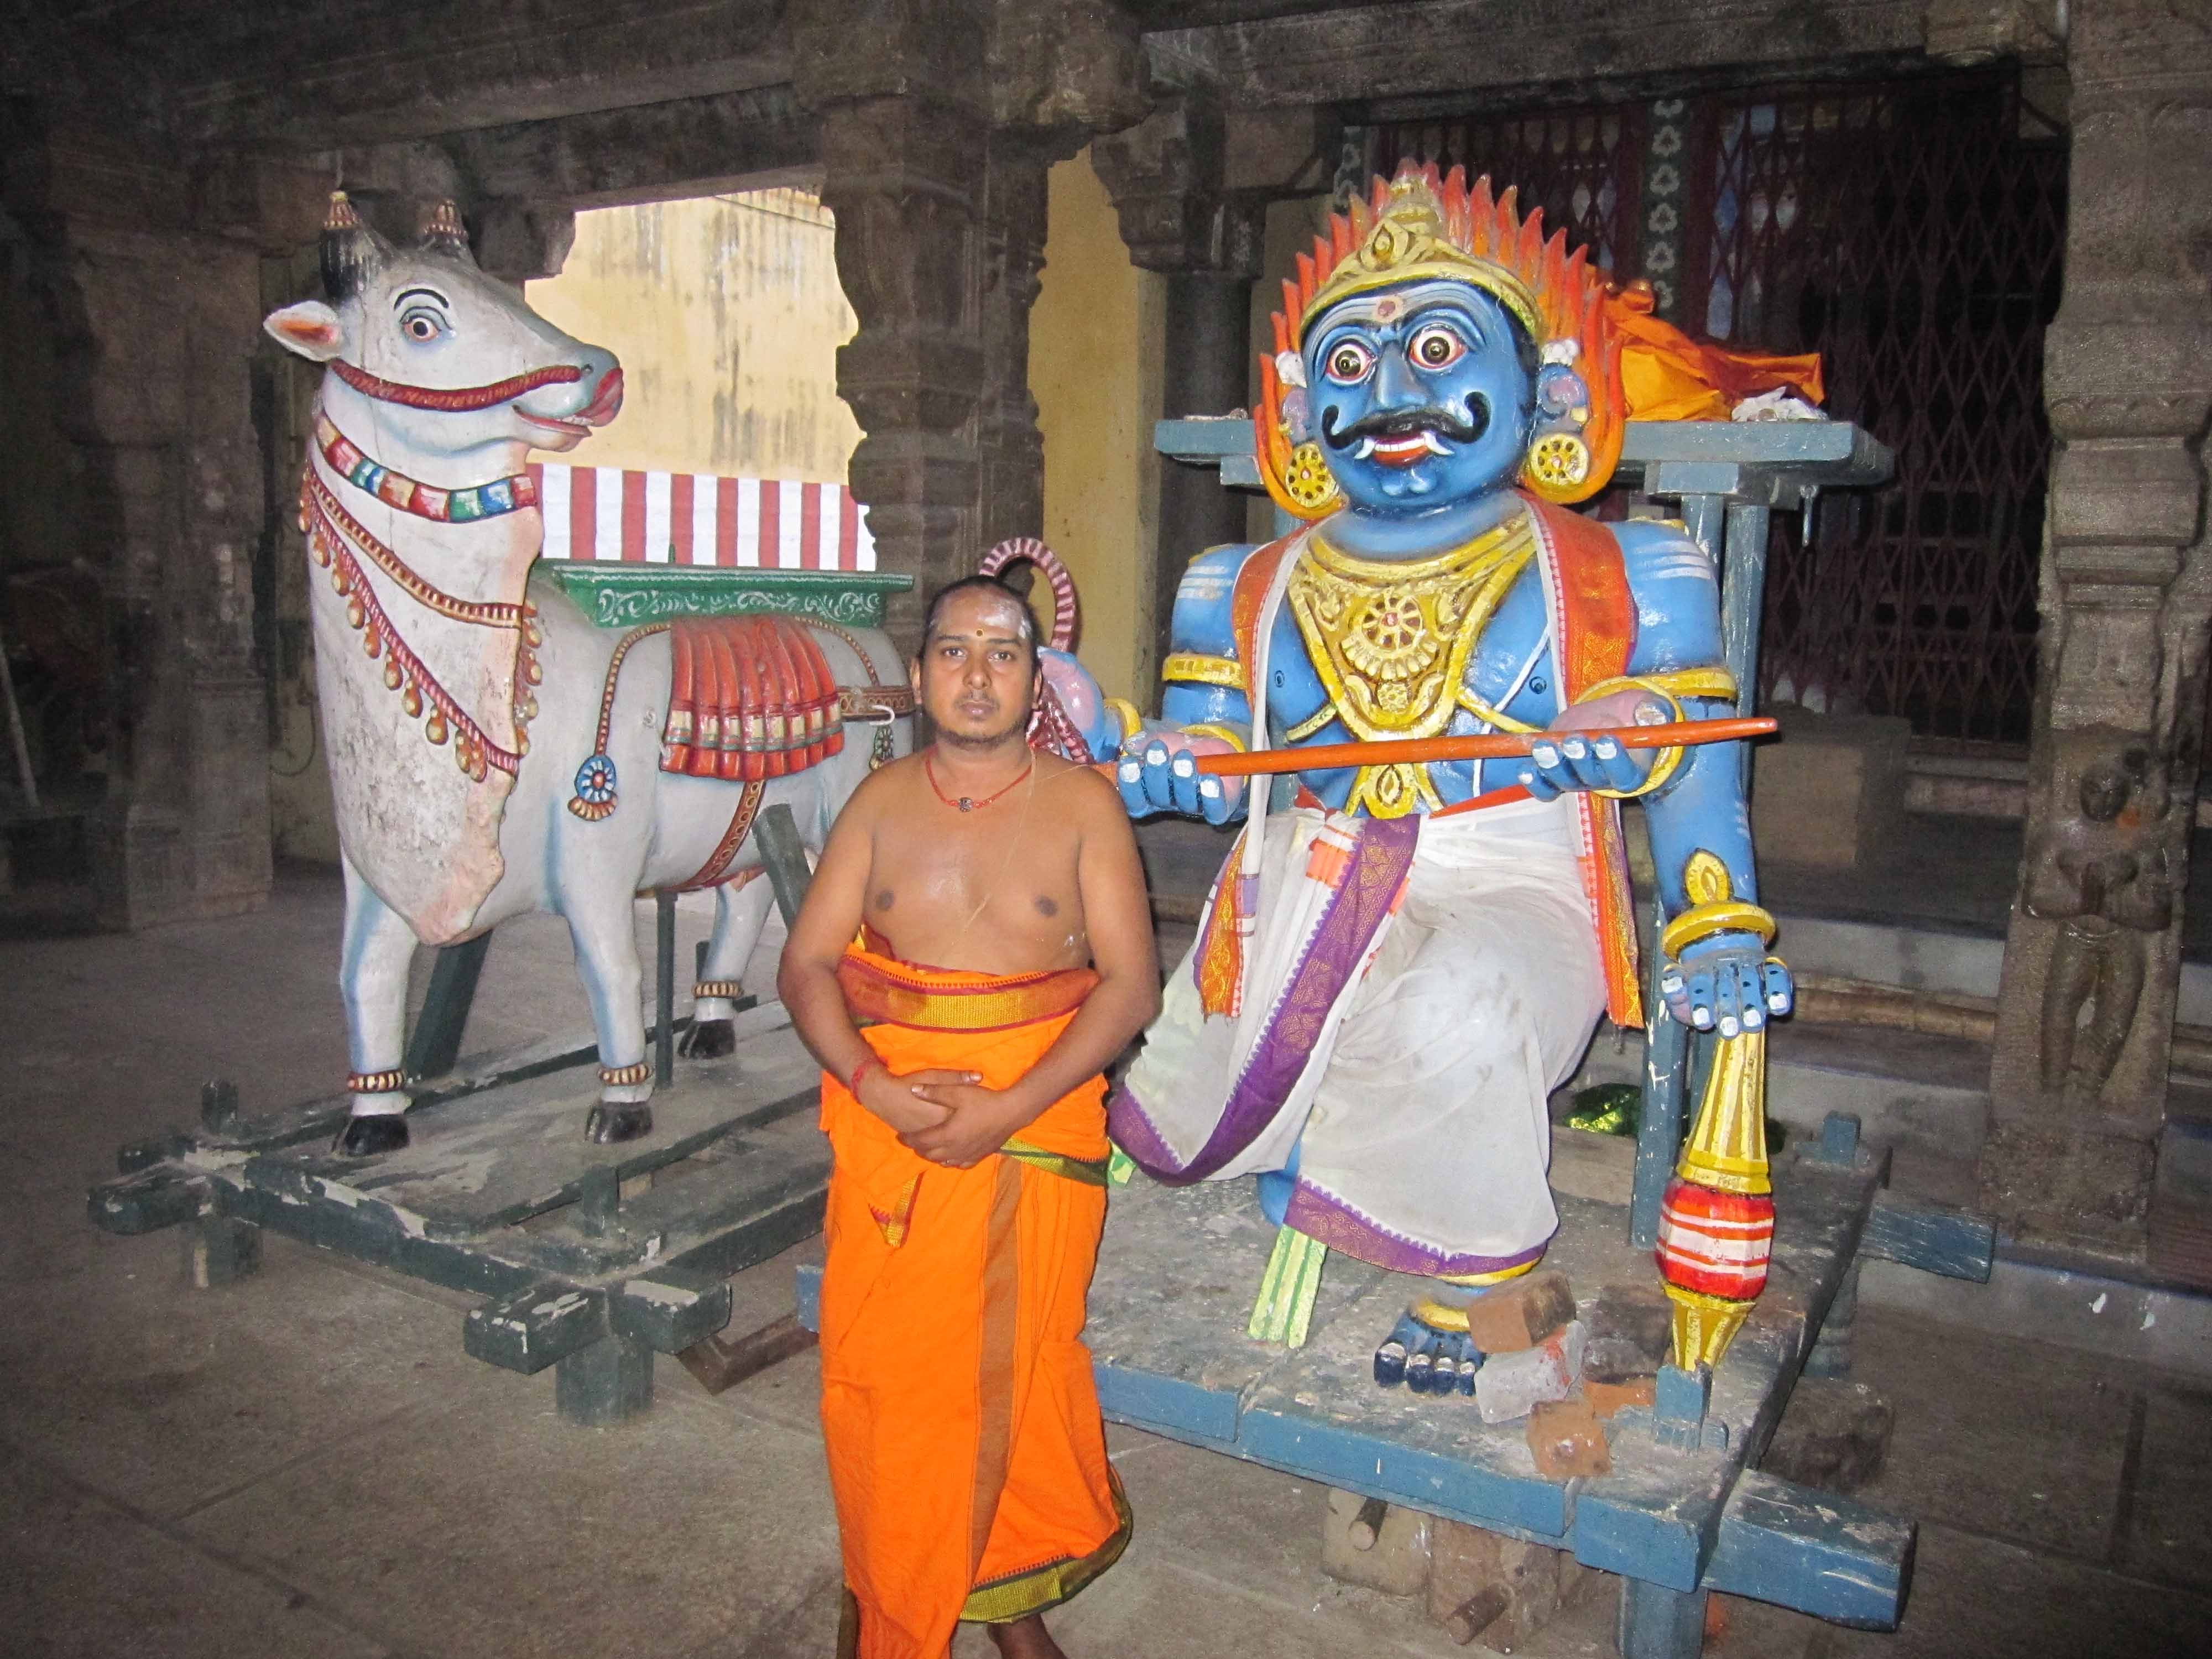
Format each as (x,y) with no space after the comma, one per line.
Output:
(1349,363)
(421,324)
(1435,347)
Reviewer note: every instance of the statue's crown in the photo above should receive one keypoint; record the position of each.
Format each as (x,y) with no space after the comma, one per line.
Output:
(1410,238)
(1419,226)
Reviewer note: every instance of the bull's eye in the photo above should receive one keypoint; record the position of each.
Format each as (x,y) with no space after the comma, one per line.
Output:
(423,326)
(1349,362)
(1435,347)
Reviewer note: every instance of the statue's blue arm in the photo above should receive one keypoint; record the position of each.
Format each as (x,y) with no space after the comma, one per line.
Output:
(1202,701)
(1725,981)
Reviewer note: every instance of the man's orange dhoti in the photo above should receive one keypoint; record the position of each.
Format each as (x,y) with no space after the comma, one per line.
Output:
(966,1452)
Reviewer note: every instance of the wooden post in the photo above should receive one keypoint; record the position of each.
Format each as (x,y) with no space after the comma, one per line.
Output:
(435,1044)
(664,987)
(609,1382)
(785,855)
(1658,1623)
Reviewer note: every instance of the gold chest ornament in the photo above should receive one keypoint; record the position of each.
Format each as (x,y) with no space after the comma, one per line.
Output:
(1391,639)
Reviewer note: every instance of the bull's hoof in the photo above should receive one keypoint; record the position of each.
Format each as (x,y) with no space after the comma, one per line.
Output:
(608,1124)
(369,1133)
(709,1039)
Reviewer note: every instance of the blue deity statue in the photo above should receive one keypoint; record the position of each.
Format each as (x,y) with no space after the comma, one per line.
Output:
(1400,961)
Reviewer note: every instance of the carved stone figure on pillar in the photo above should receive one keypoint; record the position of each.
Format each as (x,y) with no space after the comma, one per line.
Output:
(1400,960)
(2103,878)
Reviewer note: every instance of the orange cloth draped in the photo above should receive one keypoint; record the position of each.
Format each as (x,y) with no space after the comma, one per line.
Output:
(1665,375)
(967,1455)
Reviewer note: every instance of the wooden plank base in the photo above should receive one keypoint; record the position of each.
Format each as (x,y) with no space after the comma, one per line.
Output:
(1169,1309)
(592,1258)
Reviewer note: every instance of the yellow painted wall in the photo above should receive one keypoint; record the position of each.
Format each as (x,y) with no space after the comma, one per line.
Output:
(1096,340)
(726,313)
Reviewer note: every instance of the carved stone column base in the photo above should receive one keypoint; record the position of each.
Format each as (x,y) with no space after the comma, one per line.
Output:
(2073,1189)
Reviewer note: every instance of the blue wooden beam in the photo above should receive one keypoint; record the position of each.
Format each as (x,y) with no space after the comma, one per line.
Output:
(1932,1237)
(1813,1551)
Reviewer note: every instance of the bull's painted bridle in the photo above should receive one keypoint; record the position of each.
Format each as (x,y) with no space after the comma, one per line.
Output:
(454,400)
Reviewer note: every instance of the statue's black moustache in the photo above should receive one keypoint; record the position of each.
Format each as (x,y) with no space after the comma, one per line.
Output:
(1404,422)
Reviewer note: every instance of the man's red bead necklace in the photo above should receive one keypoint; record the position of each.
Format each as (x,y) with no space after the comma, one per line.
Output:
(969,803)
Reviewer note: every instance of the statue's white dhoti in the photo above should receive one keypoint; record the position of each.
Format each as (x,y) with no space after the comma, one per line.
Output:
(1413,989)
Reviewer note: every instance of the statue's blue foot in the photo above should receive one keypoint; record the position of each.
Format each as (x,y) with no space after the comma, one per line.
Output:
(368,1134)
(608,1124)
(1427,1360)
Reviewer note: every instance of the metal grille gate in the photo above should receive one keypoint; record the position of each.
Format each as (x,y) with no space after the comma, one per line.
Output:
(1906,231)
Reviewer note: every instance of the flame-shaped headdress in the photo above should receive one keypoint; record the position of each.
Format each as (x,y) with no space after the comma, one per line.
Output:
(1421,227)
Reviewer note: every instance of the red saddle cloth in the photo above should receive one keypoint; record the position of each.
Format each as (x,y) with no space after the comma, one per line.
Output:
(749,697)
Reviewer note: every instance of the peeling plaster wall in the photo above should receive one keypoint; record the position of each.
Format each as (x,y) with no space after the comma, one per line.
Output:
(1096,336)
(726,313)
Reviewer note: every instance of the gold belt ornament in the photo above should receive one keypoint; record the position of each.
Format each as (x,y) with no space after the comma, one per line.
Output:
(1391,639)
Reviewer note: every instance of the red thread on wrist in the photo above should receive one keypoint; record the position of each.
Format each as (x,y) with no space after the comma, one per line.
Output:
(859,1071)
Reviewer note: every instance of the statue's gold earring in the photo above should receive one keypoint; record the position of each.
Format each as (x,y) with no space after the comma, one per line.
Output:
(1559,461)
(1306,477)
(1558,458)
(1308,481)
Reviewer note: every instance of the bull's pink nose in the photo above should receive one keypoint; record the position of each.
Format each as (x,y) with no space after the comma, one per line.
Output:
(607,403)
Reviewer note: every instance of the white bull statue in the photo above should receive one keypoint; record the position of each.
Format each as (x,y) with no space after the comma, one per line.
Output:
(491,752)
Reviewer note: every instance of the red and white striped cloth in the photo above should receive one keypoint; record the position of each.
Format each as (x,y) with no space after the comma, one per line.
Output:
(615,515)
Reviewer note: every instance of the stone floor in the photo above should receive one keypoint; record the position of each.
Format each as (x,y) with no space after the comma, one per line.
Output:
(306,1464)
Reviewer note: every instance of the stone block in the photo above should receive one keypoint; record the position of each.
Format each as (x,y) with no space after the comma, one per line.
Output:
(1829,794)
(1607,1398)
(1631,1331)
(1519,1313)
(2069,1186)
(1511,1385)
(1394,1560)
(1833,1435)
(1568,1440)
(1473,1573)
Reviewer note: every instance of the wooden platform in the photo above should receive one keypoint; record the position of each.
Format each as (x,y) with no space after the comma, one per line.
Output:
(591,1257)
(1176,1277)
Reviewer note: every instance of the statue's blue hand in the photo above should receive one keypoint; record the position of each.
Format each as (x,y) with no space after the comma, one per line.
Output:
(1159,772)
(1727,984)
(1574,761)
(1568,758)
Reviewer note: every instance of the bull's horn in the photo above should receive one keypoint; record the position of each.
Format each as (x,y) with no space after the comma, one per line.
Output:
(443,233)
(349,248)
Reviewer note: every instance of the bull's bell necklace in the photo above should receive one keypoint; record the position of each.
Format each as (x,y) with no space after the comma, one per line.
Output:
(969,803)
(334,538)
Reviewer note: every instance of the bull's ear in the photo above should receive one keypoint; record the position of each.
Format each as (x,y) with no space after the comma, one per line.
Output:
(310,328)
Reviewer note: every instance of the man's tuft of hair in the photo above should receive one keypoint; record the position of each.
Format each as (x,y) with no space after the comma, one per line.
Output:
(982,585)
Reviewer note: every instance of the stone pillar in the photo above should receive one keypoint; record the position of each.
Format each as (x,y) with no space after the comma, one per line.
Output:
(2086,1009)
(1167,177)
(154,308)
(1011,477)
(938,119)
(904,176)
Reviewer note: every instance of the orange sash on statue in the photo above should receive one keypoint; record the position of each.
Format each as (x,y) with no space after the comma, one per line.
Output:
(967,1455)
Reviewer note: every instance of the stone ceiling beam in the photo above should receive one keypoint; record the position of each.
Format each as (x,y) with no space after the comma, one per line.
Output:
(311,82)
(1427,49)
(652,152)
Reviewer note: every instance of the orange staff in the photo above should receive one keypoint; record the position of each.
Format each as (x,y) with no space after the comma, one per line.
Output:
(1498,745)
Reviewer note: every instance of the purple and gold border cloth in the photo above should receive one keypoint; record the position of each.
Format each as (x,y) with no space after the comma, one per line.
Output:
(1406,1009)
(1322,913)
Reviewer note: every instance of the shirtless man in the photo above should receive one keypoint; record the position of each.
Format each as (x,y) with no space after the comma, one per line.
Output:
(1003,955)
